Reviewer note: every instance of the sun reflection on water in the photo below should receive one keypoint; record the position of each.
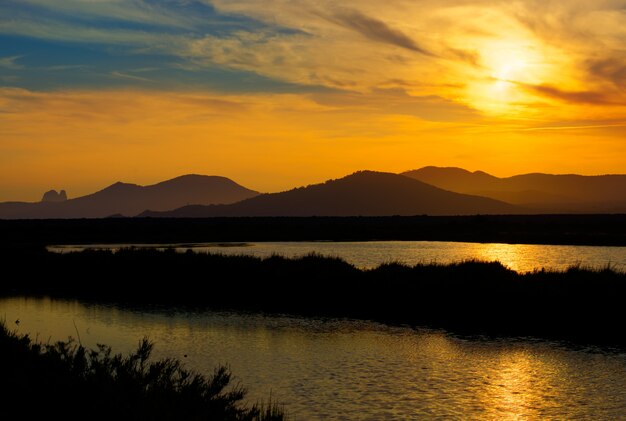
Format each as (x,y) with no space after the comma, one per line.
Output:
(512,256)
(367,255)
(513,387)
(343,369)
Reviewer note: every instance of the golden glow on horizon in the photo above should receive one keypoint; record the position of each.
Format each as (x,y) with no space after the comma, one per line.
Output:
(85,140)
(493,86)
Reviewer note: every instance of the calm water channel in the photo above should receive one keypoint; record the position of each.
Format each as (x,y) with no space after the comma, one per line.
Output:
(342,369)
(520,257)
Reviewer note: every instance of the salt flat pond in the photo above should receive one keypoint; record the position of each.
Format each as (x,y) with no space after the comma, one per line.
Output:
(345,369)
(519,257)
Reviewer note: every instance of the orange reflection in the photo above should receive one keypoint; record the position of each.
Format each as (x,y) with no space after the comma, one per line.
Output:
(521,257)
(511,256)
(519,386)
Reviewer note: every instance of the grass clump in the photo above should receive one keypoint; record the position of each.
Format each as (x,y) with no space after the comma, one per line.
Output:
(65,379)
(578,304)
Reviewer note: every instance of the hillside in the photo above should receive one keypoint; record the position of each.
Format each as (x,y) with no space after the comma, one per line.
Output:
(364,193)
(130,199)
(540,192)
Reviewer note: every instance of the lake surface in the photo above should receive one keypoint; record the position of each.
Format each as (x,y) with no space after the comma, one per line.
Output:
(343,369)
(519,257)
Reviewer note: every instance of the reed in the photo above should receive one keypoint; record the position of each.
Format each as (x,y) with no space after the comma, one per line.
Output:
(579,303)
(64,379)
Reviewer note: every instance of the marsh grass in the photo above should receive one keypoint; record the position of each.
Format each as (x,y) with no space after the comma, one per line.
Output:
(68,380)
(579,304)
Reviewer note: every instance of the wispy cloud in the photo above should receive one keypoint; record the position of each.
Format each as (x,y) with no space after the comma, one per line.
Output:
(567,51)
(130,77)
(137,11)
(576,127)
(10,63)
(610,69)
(9,78)
(77,33)
(65,67)
(575,97)
(375,29)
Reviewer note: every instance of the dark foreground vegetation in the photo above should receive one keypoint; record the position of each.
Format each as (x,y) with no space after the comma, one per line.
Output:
(63,380)
(609,230)
(470,297)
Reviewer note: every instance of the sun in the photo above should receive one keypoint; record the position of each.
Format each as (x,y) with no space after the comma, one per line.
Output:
(510,70)
(507,69)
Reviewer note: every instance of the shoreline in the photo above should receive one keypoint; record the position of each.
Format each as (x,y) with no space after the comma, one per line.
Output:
(476,298)
(64,374)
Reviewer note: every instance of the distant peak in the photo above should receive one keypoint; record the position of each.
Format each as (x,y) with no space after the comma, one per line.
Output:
(449,169)
(368,174)
(434,169)
(120,185)
(54,196)
(483,174)
(195,179)
(363,172)
(192,176)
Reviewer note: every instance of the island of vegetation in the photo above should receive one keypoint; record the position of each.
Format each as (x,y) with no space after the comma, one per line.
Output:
(471,297)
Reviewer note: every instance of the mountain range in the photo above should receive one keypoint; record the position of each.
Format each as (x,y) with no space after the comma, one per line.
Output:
(365,193)
(539,192)
(124,199)
(428,190)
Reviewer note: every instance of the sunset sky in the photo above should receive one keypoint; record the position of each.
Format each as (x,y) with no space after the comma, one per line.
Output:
(280,93)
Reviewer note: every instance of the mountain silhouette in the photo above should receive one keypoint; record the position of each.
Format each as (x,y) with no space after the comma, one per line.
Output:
(538,192)
(130,199)
(54,196)
(365,193)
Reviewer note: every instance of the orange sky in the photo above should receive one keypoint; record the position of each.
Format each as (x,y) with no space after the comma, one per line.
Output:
(297,92)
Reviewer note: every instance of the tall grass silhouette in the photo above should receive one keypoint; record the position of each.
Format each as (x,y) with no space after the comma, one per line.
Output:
(578,304)
(68,380)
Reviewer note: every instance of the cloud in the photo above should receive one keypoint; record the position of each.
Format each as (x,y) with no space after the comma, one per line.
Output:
(398,102)
(574,97)
(65,67)
(82,34)
(610,69)
(130,77)
(467,56)
(580,125)
(10,63)
(299,42)
(376,29)
(571,51)
(136,11)
(9,79)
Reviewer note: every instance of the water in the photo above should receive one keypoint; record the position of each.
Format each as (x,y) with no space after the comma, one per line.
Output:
(519,257)
(342,369)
